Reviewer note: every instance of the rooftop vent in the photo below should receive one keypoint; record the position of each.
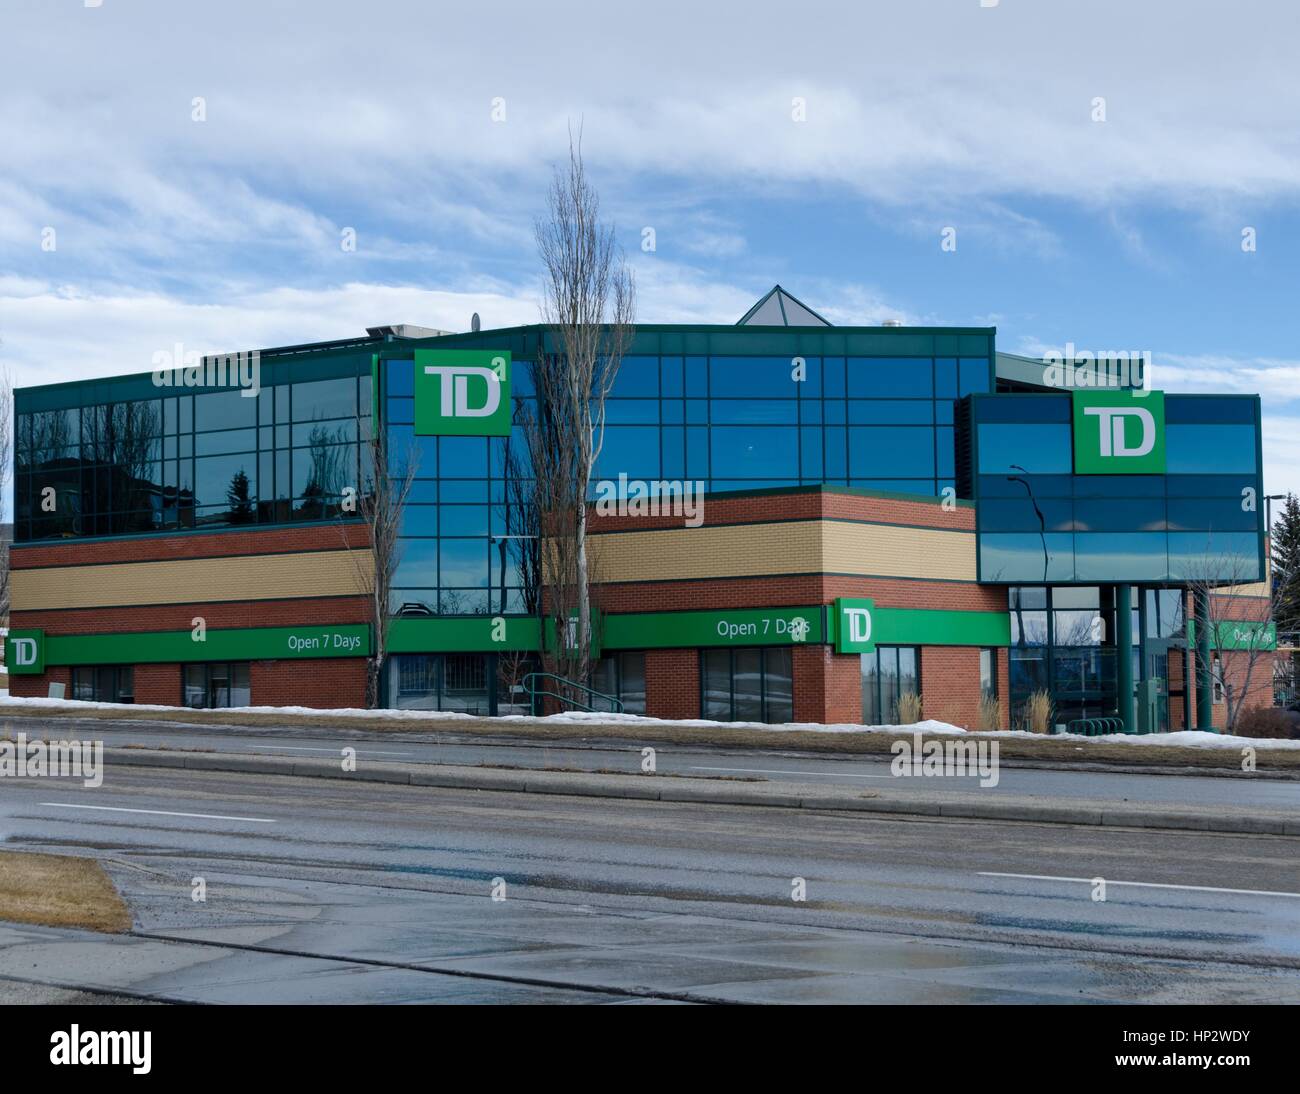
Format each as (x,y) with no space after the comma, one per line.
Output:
(405,330)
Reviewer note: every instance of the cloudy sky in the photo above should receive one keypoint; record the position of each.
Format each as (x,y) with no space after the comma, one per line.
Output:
(186,171)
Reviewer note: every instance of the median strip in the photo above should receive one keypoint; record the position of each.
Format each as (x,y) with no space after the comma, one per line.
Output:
(706,791)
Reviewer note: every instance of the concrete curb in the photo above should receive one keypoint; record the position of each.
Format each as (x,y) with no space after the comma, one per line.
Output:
(704,791)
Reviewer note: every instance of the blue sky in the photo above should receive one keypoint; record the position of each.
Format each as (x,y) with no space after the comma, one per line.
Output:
(224,233)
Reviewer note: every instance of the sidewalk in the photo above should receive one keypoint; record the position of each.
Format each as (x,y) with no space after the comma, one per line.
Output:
(912,801)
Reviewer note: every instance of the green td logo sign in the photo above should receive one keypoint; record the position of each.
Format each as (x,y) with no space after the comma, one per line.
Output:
(853,625)
(25,652)
(1119,432)
(463,393)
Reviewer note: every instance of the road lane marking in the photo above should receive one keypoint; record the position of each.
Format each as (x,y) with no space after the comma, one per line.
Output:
(770,771)
(1143,884)
(157,812)
(309,748)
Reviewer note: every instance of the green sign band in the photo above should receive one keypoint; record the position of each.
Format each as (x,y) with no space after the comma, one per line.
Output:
(29,651)
(741,627)
(476,634)
(157,647)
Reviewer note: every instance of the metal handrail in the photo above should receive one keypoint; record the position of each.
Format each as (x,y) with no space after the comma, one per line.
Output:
(530,685)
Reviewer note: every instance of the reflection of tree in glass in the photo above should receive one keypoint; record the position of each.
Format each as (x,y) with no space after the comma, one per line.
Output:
(1078,629)
(239,499)
(326,470)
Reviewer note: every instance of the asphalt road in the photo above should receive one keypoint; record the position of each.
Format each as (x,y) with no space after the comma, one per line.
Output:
(784,766)
(321,890)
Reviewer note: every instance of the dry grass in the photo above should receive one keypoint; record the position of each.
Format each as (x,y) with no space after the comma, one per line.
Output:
(59,891)
(990,717)
(909,707)
(1038,712)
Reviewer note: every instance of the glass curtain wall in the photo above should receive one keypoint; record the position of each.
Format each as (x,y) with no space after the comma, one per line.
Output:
(1063,641)
(1039,522)
(190,461)
(732,422)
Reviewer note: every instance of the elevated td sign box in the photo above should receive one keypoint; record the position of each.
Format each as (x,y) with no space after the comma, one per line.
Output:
(25,652)
(462,393)
(1119,432)
(854,631)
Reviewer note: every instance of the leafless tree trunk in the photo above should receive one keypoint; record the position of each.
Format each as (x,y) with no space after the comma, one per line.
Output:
(379,502)
(1240,608)
(589,307)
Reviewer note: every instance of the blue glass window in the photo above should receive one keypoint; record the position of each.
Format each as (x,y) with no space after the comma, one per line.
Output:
(891,412)
(745,453)
(754,412)
(890,377)
(401,377)
(1038,448)
(742,377)
(632,450)
(876,449)
(1210,449)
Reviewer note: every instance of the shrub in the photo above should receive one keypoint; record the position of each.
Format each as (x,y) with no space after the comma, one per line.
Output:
(1268,722)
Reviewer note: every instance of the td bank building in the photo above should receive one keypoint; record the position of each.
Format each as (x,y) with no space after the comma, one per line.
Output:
(789,521)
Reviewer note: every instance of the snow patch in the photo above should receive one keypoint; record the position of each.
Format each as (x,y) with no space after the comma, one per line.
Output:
(1183,738)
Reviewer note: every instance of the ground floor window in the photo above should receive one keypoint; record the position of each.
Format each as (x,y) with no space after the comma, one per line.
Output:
(103,683)
(747,685)
(622,675)
(889,674)
(218,684)
(440,681)
(988,674)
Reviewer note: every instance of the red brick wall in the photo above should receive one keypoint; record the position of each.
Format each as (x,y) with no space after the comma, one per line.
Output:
(39,686)
(321,683)
(174,617)
(317,537)
(158,685)
(801,504)
(672,683)
(950,684)
(764,592)
(827,686)
(1258,692)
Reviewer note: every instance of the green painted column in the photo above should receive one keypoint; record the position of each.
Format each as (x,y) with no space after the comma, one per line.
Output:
(1204,681)
(1124,654)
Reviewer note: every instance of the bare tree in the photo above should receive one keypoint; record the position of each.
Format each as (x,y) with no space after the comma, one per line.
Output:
(589,307)
(379,503)
(1240,611)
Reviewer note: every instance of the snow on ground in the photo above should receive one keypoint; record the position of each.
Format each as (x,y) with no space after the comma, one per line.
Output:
(1183,738)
